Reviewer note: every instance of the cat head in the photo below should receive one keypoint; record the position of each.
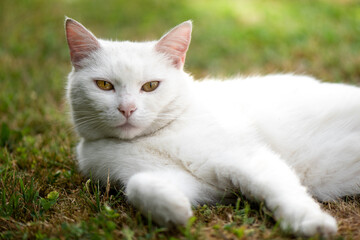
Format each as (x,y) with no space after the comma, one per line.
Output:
(126,89)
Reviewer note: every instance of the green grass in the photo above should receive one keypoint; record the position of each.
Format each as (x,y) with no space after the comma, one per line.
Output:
(42,194)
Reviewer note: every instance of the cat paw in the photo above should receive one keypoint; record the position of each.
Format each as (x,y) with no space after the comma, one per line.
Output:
(314,224)
(173,213)
(163,202)
(322,224)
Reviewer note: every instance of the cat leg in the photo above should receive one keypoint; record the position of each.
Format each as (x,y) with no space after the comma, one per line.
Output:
(160,194)
(266,177)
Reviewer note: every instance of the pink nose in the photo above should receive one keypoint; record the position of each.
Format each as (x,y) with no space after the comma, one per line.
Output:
(127,109)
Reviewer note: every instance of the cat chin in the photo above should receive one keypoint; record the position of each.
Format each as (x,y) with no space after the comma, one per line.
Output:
(126,127)
(128,132)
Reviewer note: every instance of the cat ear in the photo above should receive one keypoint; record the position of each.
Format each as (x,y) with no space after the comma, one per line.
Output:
(80,40)
(175,43)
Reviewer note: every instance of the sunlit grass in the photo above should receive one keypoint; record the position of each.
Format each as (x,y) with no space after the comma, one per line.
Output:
(42,193)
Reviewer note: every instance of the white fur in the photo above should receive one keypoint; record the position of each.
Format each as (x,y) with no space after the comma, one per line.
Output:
(281,139)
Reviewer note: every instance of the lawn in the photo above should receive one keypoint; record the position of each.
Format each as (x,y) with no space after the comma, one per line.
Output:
(42,194)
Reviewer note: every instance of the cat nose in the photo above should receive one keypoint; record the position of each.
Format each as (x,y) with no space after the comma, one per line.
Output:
(127,109)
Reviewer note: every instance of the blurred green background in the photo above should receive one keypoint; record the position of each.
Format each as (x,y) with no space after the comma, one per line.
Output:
(315,37)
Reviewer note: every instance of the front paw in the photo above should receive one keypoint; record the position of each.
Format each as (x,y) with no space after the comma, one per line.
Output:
(314,223)
(163,201)
(167,207)
(173,212)
(322,224)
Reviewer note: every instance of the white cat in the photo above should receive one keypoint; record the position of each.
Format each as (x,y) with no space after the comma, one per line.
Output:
(174,142)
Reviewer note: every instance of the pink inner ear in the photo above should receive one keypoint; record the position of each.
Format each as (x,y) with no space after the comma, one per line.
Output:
(176,43)
(81,41)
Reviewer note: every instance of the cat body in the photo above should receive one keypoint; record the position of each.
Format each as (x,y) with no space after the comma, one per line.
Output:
(173,142)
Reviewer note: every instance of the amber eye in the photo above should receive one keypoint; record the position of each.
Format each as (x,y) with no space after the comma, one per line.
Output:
(150,86)
(104,85)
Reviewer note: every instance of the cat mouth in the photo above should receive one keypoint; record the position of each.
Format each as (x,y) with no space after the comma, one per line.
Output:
(126,126)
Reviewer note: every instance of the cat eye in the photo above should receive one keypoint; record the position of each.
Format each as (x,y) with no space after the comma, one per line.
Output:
(104,85)
(150,86)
